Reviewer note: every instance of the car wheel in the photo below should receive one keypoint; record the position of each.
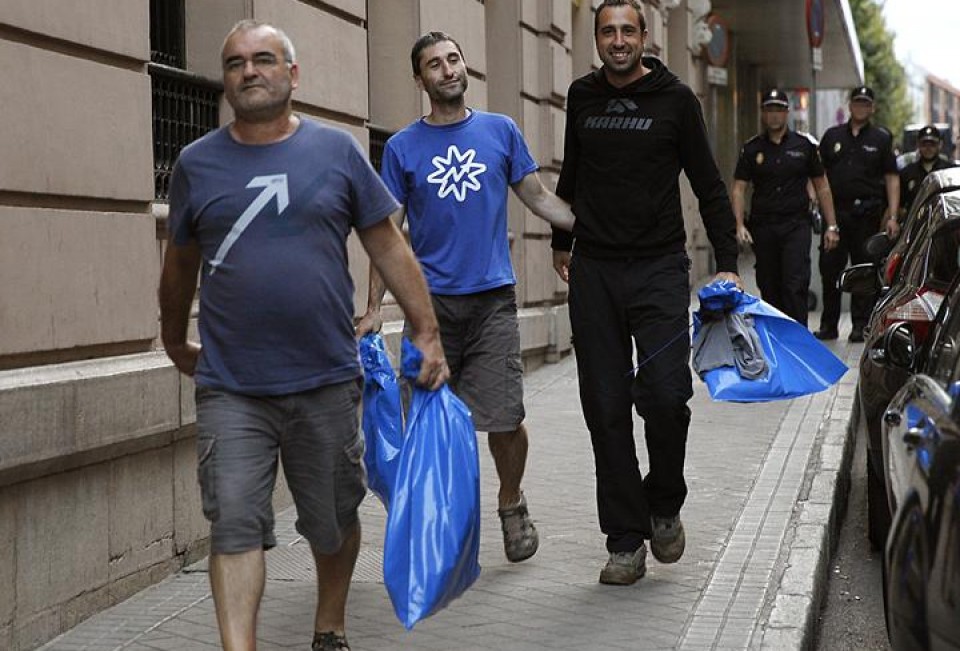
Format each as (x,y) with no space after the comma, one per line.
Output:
(878,512)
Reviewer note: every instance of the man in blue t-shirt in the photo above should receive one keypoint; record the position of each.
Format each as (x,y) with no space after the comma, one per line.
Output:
(451,170)
(262,209)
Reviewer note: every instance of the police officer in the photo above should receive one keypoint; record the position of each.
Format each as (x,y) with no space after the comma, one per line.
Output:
(862,170)
(928,160)
(779,162)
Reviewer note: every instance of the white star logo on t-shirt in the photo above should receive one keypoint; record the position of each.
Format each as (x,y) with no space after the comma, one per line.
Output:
(456,173)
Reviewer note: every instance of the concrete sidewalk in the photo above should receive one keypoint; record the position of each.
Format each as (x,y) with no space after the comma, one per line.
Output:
(765,484)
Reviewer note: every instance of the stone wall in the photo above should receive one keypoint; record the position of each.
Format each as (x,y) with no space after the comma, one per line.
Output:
(98,494)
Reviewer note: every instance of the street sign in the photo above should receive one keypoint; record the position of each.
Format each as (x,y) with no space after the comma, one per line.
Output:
(719,46)
(815,22)
(816,58)
(716,76)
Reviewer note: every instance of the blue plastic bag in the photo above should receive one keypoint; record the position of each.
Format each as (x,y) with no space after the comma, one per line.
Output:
(798,363)
(432,542)
(382,417)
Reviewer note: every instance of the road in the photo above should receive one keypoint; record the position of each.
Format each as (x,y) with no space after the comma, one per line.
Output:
(852,618)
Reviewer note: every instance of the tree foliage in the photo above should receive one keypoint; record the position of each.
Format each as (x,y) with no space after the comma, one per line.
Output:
(882,70)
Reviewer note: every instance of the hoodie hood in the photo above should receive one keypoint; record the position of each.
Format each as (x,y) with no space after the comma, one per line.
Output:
(657,79)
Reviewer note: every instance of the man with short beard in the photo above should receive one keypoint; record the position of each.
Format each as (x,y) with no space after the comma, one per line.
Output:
(632,126)
(261,208)
(928,160)
(452,171)
(780,163)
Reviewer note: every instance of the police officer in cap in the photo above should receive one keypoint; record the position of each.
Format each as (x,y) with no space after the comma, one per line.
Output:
(779,163)
(862,169)
(928,160)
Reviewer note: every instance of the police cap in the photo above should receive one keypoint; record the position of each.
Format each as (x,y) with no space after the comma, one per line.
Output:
(776,98)
(929,132)
(864,93)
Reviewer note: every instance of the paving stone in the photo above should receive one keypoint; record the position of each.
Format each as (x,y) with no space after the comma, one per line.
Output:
(744,486)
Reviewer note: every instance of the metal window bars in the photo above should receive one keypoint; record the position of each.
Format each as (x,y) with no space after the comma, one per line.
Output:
(378,139)
(167,31)
(185,107)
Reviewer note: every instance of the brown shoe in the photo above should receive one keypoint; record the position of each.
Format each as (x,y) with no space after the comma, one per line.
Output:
(520,538)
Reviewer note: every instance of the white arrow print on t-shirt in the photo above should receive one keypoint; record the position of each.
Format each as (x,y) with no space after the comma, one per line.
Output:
(273,186)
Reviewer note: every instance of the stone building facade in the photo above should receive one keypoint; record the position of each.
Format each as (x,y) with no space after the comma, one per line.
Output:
(98,495)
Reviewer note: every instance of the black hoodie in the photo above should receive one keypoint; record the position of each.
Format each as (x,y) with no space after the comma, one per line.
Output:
(623,153)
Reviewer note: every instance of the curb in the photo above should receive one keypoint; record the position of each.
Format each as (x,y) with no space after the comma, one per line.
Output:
(793,622)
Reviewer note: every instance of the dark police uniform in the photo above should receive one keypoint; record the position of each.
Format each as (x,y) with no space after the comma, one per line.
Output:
(855,166)
(779,216)
(912,175)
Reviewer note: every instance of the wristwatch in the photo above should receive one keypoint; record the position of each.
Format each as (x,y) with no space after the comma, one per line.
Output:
(833,228)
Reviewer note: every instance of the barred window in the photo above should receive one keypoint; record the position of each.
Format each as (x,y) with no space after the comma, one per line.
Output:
(167,21)
(378,139)
(185,105)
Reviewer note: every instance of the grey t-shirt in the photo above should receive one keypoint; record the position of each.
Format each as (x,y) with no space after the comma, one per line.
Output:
(276,296)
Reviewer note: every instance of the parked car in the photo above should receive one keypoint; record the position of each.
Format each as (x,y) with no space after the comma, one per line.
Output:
(912,277)
(921,450)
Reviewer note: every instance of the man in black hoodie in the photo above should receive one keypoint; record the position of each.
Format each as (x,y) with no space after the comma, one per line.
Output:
(631,128)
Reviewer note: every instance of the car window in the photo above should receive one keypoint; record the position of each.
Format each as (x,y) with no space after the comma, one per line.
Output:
(913,242)
(942,257)
(920,219)
(943,360)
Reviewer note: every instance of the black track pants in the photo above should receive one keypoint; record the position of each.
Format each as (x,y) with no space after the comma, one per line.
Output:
(611,303)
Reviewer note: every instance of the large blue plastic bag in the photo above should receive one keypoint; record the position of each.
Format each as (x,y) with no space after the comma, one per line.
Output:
(798,364)
(382,417)
(432,541)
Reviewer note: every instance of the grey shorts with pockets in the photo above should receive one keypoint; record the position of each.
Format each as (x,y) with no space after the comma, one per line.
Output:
(481,341)
(315,434)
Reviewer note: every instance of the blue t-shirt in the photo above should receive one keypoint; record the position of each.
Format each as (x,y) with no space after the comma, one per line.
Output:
(276,296)
(454,180)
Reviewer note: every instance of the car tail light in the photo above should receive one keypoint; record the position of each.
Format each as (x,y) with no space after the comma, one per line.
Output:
(920,311)
(893,263)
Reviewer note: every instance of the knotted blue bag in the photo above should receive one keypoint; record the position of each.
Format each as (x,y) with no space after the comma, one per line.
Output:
(382,417)
(432,541)
(798,364)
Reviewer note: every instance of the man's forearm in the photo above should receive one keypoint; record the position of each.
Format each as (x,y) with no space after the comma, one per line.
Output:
(174,315)
(825,198)
(399,271)
(736,198)
(376,289)
(892,182)
(555,210)
(543,203)
(178,286)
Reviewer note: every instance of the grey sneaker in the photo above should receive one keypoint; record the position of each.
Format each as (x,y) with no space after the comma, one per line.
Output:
(624,568)
(520,539)
(668,539)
